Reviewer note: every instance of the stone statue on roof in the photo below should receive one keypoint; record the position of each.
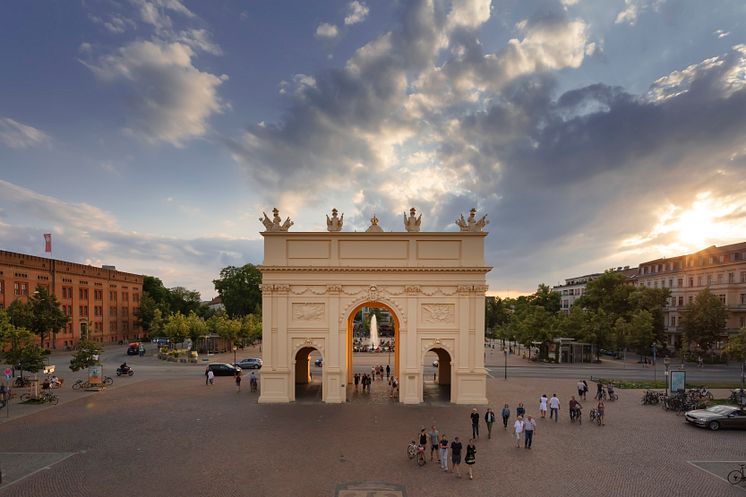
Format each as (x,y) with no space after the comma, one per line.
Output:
(471,224)
(275,224)
(374,228)
(412,223)
(335,222)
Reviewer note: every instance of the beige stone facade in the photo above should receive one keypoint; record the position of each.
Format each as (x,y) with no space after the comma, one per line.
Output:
(98,301)
(722,269)
(433,284)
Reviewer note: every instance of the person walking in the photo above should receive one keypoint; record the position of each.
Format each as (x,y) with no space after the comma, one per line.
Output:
(456,456)
(599,391)
(529,426)
(543,406)
(238,381)
(207,375)
(520,410)
(518,431)
(388,370)
(585,390)
(443,452)
(471,457)
(600,408)
(581,388)
(506,414)
(210,377)
(554,406)
(356,378)
(474,423)
(489,419)
(434,439)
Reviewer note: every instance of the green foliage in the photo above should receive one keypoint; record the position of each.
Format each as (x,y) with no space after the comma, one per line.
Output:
(197,328)
(31,357)
(86,355)
(13,339)
(238,288)
(146,313)
(46,313)
(736,346)
(496,315)
(185,301)
(177,328)
(223,326)
(20,314)
(703,321)
(251,329)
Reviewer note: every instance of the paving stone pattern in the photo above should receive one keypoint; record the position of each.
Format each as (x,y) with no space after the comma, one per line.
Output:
(176,436)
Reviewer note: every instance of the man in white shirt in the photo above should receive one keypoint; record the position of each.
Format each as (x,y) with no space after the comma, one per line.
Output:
(554,405)
(518,430)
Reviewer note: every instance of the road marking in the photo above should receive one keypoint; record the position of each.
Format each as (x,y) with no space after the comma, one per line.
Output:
(697,464)
(60,456)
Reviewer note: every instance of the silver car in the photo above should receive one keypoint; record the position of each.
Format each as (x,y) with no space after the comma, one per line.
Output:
(717,417)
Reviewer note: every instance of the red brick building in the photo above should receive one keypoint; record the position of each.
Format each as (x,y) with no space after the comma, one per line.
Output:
(100,302)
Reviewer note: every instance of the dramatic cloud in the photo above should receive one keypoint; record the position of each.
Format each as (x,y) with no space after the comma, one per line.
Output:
(356,12)
(171,100)
(633,9)
(18,135)
(326,30)
(88,235)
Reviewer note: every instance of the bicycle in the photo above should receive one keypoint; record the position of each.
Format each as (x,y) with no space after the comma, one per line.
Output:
(413,450)
(43,398)
(613,395)
(576,414)
(595,416)
(737,475)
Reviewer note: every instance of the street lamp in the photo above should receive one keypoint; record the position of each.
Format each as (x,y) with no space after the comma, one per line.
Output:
(505,351)
(234,354)
(667,364)
(655,367)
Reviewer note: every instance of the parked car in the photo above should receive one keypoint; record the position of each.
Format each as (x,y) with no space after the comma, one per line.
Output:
(250,363)
(717,417)
(319,362)
(221,369)
(161,341)
(133,348)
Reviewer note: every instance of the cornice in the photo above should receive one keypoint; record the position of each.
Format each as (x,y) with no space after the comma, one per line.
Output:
(373,269)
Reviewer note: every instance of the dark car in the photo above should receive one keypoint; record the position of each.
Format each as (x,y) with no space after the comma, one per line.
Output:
(250,363)
(717,417)
(133,349)
(221,369)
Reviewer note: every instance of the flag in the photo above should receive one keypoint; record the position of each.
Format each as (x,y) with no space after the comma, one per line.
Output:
(47,242)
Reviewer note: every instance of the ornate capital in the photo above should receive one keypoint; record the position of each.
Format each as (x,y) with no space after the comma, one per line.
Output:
(266,289)
(281,289)
(464,289)
(481,289)
(333,289)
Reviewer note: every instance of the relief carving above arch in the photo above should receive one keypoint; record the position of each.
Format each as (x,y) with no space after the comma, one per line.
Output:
(301,342)
(400,314)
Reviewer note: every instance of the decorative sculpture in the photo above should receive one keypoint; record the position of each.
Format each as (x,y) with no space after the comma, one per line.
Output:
(374,228)
(412,223)
(472,224)
(335,222)
(275,224)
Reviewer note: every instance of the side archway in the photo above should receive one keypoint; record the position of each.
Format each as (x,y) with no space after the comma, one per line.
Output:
(306,386)
(437,388)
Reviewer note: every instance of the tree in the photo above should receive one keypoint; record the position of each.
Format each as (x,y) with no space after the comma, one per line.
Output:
(238,288)
(736,346)
(86,355)
(47,315)
(226,328)
(545,298)
(185,301)
(154,287)
(177,328)
(496,314)
(703,321)
(251,329)
(13,339)
(197,328)
(20,314)
(146,312)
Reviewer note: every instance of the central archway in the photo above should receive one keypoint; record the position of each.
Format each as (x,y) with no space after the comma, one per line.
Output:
(372,304)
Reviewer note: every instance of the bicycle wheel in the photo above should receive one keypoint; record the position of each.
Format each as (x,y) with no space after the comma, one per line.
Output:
(108,380)
(735,477)
(411,452)
(25,396)
(421,459)
(77,385)
(53,399)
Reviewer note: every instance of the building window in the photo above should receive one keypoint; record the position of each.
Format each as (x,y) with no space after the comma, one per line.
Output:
(98,294)
(743,276)
(2,287)
(83,294)
(709,279)
(125,297)
(113,327)
(113,296)
(691,299)
(673,321)
(743,321)
(136,298)
(680,282)
(124,311)
(722,298)
(720,278)
(98,310)
(113,311)
(731,277)
(691,282)
(681,300)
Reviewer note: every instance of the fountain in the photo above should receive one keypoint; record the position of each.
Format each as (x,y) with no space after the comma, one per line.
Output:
(374,332)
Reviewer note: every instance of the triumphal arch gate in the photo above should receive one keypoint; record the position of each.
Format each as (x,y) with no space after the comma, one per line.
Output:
(432,284)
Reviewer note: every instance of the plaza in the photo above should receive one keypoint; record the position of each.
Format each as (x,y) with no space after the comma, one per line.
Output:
(164,431)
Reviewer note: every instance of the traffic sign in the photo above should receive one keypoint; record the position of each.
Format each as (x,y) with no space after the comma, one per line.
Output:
(8,371)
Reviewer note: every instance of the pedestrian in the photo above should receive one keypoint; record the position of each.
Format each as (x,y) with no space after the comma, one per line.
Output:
(474,423)
(489,418)
(600,408)
(357,380)
(443,444)
(210,377)
(529,426)
(554,406)
(141,350)
(518,431)
(581,387)
(207,375)
(434,438)
(253,382)
(599,391)
(585,390)
(471,457)
(506,414)
(520,410)
(700,362)
(388,370)
(543,406)
(456,456)
(238,381)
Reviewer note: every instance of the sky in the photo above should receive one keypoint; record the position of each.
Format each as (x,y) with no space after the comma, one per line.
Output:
(151,134)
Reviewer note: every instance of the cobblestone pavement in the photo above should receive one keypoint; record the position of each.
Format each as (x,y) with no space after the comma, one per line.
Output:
(176,436)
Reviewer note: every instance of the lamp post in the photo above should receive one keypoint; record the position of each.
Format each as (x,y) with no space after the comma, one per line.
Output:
(667,364)
(234,354)
(655,366)
(505,351)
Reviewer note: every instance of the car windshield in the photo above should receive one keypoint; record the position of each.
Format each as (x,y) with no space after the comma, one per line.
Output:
(720,409)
